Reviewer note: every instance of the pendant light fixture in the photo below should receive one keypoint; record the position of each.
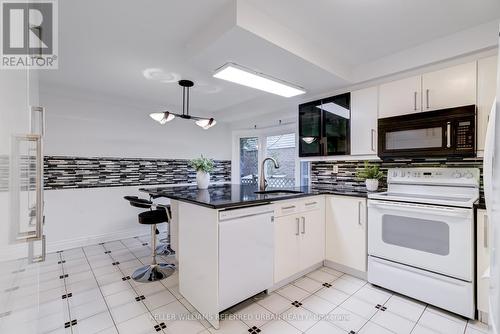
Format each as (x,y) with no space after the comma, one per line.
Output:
(166,116)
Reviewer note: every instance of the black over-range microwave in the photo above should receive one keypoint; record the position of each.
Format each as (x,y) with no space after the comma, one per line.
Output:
(449,133)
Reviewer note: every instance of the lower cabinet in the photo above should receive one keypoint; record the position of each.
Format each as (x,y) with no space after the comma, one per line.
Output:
(299,230)
(346,231)
(483,260)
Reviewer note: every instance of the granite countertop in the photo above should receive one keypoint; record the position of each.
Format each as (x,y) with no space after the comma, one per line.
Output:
(234,195)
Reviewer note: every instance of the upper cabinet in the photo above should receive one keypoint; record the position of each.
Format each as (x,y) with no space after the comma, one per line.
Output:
(364,116)
(400,97)
(310,138)
(451,87)
(486,92)
(324,127)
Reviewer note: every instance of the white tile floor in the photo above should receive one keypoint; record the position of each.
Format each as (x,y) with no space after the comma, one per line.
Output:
(82,291)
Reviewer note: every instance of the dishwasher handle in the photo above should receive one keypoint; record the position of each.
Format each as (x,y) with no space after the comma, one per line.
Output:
(243,213)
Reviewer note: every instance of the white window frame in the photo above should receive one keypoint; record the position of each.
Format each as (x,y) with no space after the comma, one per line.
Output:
(261,134)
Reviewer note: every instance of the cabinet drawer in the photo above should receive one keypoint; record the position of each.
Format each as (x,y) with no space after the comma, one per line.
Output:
(286,208)
(308,205)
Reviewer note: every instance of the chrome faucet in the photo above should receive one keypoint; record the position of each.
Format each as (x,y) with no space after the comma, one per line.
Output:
(263,181)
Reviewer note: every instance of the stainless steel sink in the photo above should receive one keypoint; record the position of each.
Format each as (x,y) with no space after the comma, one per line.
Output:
(279,192)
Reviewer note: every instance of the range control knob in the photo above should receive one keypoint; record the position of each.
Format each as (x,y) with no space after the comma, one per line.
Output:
(457,175)
(469,175)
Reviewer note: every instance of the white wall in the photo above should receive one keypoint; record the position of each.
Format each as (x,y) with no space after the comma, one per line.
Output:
(79,125)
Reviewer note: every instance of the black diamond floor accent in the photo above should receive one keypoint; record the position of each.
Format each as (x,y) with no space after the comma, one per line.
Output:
(145,244)
(115,263)
(254,330)
(63,261)
(327,285)
(141,297)
(378,306)
(126,278)
(63,276)
(160,326)
(352,332)
(107,252)
(297,304)
(70,323)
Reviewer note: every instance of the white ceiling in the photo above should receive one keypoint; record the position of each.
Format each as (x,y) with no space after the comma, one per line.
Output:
(360,31)
(104,46)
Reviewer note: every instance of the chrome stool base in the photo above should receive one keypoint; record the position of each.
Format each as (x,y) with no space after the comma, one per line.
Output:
(153,272)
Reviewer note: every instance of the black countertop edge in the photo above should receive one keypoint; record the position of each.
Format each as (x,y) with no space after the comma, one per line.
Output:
(233,195)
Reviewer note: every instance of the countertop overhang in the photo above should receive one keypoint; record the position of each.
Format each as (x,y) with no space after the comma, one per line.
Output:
(237,195)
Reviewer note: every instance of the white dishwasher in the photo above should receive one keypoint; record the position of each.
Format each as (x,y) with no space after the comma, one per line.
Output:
(246,253)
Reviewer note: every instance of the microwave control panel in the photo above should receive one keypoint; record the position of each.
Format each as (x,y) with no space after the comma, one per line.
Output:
(465,135)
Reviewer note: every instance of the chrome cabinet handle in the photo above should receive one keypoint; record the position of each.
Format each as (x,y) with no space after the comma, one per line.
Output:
(427,98)
(415,101)
(359,213)
(373,140)
(287,207)
(311,203)
(485,232)
(303,225)
(448,134)
(298,226)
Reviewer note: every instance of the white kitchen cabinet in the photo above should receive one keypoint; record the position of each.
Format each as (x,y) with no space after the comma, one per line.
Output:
(400,97)
(286,246)
(364,115)
(312,235)
(299,236)
(486,91)
(346,231)
(450,87)
(483,260)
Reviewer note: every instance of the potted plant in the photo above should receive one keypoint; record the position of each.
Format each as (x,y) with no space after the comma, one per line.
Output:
(371,174)
(203,167)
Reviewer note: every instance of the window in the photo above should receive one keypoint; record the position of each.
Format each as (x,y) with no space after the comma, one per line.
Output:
(249,160)
(252,147)
(281,148)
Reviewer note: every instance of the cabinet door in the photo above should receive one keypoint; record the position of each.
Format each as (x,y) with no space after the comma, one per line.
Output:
(364,114)
(451,87)
(312,238)
(336,124)
(286,247)
(310,129)
(400,97)
(346,231)
(483,260)
(486,91)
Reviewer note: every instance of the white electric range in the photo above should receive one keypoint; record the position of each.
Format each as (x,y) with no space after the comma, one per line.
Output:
(421,236)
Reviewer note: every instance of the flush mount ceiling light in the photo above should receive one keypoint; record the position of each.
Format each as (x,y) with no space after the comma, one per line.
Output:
(166,116)
(247,77)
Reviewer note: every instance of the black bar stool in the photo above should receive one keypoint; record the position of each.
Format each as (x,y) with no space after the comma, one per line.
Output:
(154,271)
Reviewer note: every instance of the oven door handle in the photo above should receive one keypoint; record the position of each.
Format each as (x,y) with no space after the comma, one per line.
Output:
(409,207)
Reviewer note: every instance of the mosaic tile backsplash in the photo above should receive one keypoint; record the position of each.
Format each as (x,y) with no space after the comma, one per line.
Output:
(62,172)
(322,174)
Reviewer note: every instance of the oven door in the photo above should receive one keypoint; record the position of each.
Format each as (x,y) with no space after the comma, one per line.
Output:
(434,238)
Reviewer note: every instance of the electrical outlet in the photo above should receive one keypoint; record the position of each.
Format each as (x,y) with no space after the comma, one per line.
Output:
(335,169)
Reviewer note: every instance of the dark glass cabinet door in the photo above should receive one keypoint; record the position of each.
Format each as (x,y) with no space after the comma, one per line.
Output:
(310,129)
(336,124)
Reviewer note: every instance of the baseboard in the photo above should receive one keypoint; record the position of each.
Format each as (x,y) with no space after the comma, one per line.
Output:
(340,267)
(20,251)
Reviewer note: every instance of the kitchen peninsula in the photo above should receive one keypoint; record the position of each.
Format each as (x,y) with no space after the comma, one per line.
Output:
(234,241)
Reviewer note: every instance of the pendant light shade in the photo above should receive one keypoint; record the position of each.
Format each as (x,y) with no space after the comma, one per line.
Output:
(206,123)
(166,116)
(162,117)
